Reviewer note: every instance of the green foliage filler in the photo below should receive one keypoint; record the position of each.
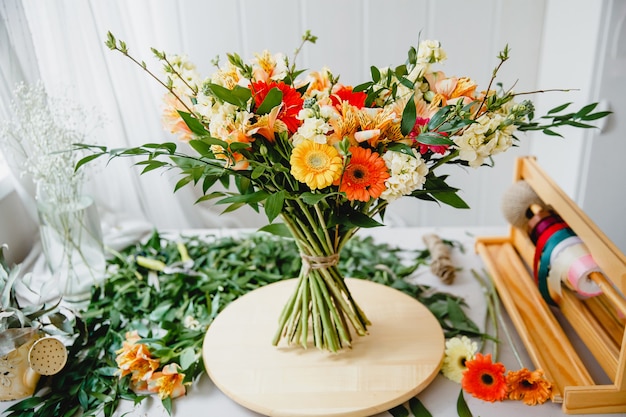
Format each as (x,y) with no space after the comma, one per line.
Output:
(160,298)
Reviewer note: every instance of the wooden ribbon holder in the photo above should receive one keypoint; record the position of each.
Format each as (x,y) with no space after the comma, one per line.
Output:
(598,322)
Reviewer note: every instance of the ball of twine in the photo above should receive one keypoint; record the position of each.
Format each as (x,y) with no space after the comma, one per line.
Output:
(517,200)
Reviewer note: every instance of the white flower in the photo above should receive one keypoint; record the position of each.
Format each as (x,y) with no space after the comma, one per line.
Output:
(187,75)
(191,323)
(458,351)
(430,51)
(408,173)
(490,135)
(226,120)
(312,128)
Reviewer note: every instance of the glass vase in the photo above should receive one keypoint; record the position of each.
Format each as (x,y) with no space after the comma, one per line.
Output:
(71,238)
(321,306)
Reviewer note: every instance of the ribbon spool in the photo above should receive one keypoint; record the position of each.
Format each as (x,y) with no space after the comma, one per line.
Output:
(560,257)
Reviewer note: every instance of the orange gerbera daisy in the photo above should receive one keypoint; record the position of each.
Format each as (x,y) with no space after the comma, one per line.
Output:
(364,176)
(290,106)
(484,379)
(530,387)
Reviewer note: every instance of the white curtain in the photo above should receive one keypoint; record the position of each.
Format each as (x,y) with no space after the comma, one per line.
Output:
(68,46)
(68,38)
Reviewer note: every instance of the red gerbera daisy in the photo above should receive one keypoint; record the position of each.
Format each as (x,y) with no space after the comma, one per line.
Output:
(346,94)
(365,175)
(291,104)
(484,379)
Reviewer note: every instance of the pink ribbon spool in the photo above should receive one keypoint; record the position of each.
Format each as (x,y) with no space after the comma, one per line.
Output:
(578,276)
(572,265)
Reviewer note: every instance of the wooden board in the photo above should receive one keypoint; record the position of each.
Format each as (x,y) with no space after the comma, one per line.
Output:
(399,357)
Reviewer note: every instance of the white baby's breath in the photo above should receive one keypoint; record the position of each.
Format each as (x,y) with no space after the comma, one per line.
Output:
(41,133)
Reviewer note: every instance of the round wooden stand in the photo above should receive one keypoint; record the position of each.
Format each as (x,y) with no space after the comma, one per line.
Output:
(399,357)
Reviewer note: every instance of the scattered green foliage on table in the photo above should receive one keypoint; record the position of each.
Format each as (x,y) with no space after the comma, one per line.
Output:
(156,299)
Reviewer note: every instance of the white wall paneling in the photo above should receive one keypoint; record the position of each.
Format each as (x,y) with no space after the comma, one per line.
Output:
(353,35)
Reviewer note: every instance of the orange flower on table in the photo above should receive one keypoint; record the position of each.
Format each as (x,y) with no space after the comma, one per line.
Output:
(316,164)
(485,379)
(134,359)
(364,176)
(168,382)
(530,387)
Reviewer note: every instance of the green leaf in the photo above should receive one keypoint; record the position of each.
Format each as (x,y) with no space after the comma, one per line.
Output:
(273,98)
(352,218)
(409,116)
(277,229)
(248,198)
(596,116)
(274,205)
(418,409)
(182,182)
(151,165)
(232,207)
(550,132)
(312,198)
(401,147)
(167,404)
(26,404)
(362,87)
(375,74)
(461,406)
(399,411)
(439,118)
(585,110)
(87,159)
(450,198)
(433,138)
(193,123)
(187,358)
(200,146)
(237,96)
(559,108)
(257,172)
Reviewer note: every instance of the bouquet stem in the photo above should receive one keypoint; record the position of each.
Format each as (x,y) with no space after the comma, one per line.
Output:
(321,303)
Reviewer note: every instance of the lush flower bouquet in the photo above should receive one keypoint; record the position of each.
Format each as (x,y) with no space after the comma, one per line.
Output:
(328,158)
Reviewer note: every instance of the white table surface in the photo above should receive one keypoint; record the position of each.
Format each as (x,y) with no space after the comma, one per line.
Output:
(205,399)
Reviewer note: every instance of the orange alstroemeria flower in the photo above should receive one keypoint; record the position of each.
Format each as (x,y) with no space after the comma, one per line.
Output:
(172,121)
(168,382)
(450,90)
(135,359)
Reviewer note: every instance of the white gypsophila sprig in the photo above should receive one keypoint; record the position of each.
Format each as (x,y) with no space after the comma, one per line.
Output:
(41,133)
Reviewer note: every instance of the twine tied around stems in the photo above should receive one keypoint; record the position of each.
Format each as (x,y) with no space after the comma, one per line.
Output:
(311,263)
